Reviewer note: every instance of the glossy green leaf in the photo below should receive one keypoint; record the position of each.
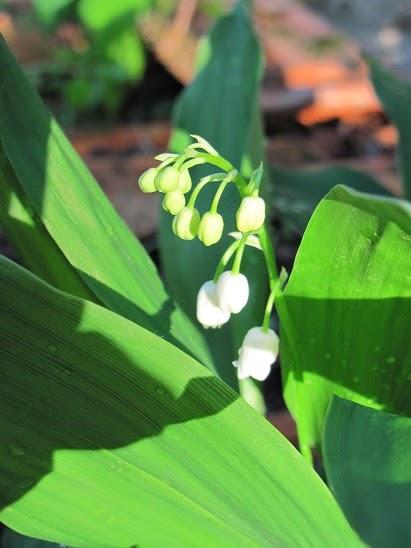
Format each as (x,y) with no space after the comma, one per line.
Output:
(347,309)
(66,206)
(395,96)
(293,194)
(221,106)
(112,436)
(367,456)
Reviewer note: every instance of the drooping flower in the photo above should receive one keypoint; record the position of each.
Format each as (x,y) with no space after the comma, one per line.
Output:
(167,179)
(209,314)
(257,354)
(174,201)
(251,214)
(211,228)
(232,292)
(184,183)
(185,224)
(146,180)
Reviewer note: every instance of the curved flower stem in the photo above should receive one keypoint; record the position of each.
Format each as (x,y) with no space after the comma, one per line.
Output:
(229,252)
(201,184)
(269,257)
(239,255)
(167,162)
(287,329)
(223,164)
(270,302)
(230,177)
(181,159)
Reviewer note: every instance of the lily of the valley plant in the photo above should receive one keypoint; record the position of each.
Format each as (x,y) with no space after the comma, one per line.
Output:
(228,292)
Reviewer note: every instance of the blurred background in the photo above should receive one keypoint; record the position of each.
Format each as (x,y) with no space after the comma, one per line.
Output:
(111,72)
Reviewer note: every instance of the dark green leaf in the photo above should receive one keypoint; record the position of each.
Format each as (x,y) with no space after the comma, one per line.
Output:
(295,193)
(395,96)
(11,539)
(367,456)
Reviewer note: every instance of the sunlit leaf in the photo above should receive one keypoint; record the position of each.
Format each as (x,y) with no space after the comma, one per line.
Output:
(61,206)
(347,309)
(111,436)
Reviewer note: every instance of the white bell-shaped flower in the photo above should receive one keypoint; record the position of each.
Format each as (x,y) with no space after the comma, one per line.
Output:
(209,314)
(232,292)
(257,354)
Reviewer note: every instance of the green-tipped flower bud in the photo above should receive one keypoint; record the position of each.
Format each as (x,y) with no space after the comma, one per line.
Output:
(184,183)
(211,228)
(250,214)
(167,179)
(146,180)
(185,224)
(174,201)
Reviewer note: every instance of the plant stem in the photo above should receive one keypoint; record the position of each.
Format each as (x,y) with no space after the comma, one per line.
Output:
(239,255)
(201,184)
(229,252)
(268,255)
(288,331)
(214,205)
(273,293)
(225,165)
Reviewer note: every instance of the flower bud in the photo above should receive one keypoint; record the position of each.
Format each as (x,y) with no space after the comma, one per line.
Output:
(257,353)
(184,183)
(250,214)
(209,314)
(232,292)
(167,179)
(211,228)
(185,224)
(146,180)
(174,201)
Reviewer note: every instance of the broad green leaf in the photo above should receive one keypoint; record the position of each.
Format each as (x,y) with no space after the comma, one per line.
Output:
(395,96)
(367,455)
(38,251)
(347,308)
(112,436)
(295,193)
(58,192)
(221,106)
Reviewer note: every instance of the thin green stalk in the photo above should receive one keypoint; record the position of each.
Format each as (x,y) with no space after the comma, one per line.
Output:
(214,205)
(223,164)
(180,161)
(201,184)
(229,252)
(270,302)
(239,255)
(268,255)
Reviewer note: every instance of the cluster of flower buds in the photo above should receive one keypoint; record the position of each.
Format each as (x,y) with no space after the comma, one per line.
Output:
(172,178)
(228,292)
